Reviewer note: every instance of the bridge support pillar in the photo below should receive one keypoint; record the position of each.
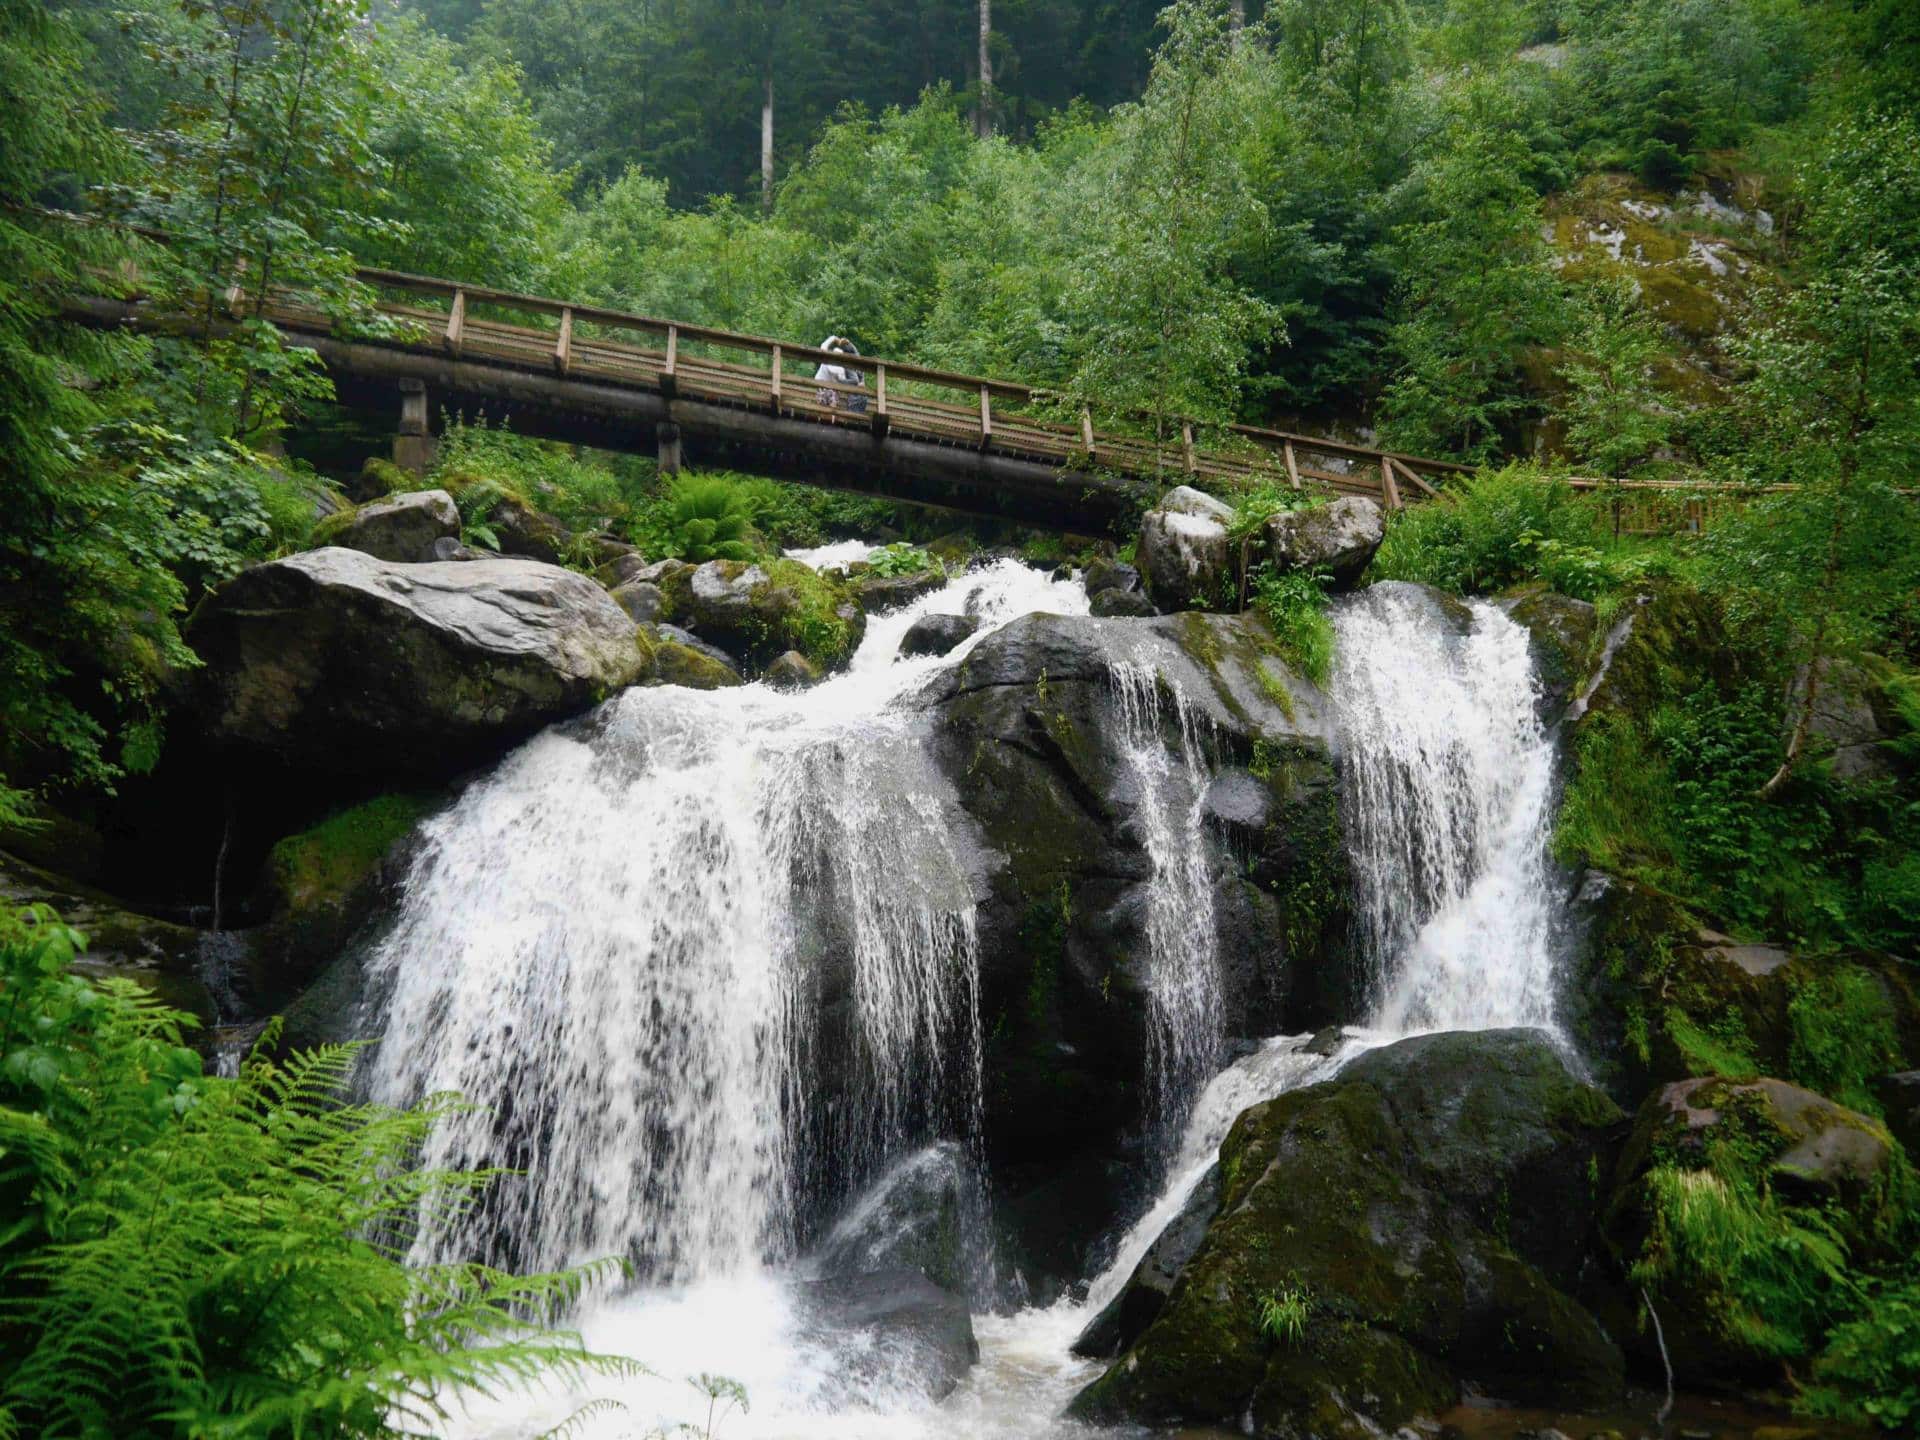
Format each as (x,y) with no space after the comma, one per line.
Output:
(414,447)
(668,435)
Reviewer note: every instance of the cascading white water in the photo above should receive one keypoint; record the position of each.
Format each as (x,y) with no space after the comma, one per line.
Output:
(1448,781)
(1183,973)
(613,948)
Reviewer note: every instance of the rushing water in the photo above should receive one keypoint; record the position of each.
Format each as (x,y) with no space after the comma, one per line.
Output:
(618,945)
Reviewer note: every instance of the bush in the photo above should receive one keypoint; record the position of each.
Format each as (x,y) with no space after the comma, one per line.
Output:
(699,518)
(587,496)
(1495,530)
(1842,1036)
(1295,604)
(1871,1368)
(188,1255)
(900,559)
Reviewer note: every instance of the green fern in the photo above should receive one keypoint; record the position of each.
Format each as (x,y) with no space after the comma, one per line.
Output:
(197,1256)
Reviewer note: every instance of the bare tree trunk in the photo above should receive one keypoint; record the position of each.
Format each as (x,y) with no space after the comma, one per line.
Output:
(766,137)
(983,117)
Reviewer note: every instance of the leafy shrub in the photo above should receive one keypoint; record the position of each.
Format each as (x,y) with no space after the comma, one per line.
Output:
(191,1255)
(1254,508)
(1842,1036)
(1494,530)
(700,518)
(586,495)
(1871,1368)
(1295,604)
(900,559)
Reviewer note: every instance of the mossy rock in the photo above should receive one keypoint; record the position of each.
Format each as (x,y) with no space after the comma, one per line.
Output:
(677,664)
(1420,1202)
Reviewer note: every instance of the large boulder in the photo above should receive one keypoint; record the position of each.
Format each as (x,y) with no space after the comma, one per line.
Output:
(757,612)
(1184,554)
(1416,1211)
(888,592)
(1338,538)
(925,1213)
(1561,629)
(338,662)
(1043,751)
(402,528)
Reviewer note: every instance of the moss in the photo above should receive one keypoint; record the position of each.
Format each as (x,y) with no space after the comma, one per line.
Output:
(326,864)
(811,612)
(677,664)
(329,529)
(383,477)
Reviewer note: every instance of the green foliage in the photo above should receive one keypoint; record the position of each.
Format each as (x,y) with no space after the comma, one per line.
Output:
(1497,529)
(585,493)
(900,559)
(1870,1370)
(1284,1314)
(699,518)
(326,861)
(1253,508)
(190,1255)
(1842,1036)
(1295,605)
(1616,418)
(813,624)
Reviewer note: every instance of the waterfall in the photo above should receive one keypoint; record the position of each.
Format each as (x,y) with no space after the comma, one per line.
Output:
(1448,785)
(698,965)
(1183,964)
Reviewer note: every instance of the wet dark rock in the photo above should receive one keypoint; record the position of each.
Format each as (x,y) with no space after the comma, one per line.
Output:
(678,658)
(1104,574)
(924,1215)
(888,592)
(1338,538)
(1028,731)
(1115,602)
(1125,1318)
(337,662)
(527,532)
(937,634)
(1561,629)
(1900,1095)
(917,1335)
(400,528)
(1419,1201)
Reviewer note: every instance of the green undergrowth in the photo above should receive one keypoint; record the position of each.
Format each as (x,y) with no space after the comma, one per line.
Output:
(1295,605)
(192,1255)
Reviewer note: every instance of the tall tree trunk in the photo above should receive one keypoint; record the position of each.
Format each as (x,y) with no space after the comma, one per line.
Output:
(766,136)
(983,117)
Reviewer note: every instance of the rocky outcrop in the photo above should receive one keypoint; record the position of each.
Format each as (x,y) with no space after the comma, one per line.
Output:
(937,634)
(1029,731)
(924,1214)
(1337,539)
(792,671)
(337,662)
(1415,1209)
(1184,554)
(1562,632)
(643,601)
(757,612)
(401,528)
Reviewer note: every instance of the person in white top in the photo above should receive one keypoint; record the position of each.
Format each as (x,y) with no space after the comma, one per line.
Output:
(829,398)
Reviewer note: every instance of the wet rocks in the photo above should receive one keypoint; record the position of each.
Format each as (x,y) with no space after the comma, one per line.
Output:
(756,612)
(401,528)
(1900,1095)
(924,1214)
(1416,1206)
(1124,1318)
(792,671)
(912,1335)
(937,634)
(644,602)
(1561,629)
(1338,538)
(338,662)
(888,592)
(1184,555)
(678,658)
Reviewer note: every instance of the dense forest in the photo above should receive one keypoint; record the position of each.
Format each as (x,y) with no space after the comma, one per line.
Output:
(1671,240)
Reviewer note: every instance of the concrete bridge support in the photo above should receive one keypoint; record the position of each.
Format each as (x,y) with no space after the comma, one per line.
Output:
(667,435)
(414,447)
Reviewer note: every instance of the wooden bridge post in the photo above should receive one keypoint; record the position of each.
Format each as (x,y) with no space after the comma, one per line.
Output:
(414,447)
(667,435)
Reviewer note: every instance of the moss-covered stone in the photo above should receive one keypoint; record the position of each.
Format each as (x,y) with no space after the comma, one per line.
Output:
(672,663)
(322,867)
(1419,1203)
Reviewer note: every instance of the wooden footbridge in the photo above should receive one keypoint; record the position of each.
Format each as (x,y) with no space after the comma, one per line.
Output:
(633,383)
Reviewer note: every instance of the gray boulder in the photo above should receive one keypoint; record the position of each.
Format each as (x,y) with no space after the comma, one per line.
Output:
(888,592)
(401,528)
(644,602)
(1338,538)
(336,661)
(937,634)
(1184,554)
(681,658)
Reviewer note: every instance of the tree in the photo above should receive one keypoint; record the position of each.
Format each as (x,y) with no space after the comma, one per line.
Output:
(1615,416)
(1832,407)
(1475,290)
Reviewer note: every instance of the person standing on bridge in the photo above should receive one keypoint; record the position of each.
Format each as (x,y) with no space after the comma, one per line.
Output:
(829,398)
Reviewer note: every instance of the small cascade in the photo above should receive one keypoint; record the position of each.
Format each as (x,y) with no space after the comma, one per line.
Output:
(1448,777)
(1183,976)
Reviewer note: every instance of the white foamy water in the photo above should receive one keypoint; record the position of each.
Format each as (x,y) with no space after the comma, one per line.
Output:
(1447,804)
(836,552)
